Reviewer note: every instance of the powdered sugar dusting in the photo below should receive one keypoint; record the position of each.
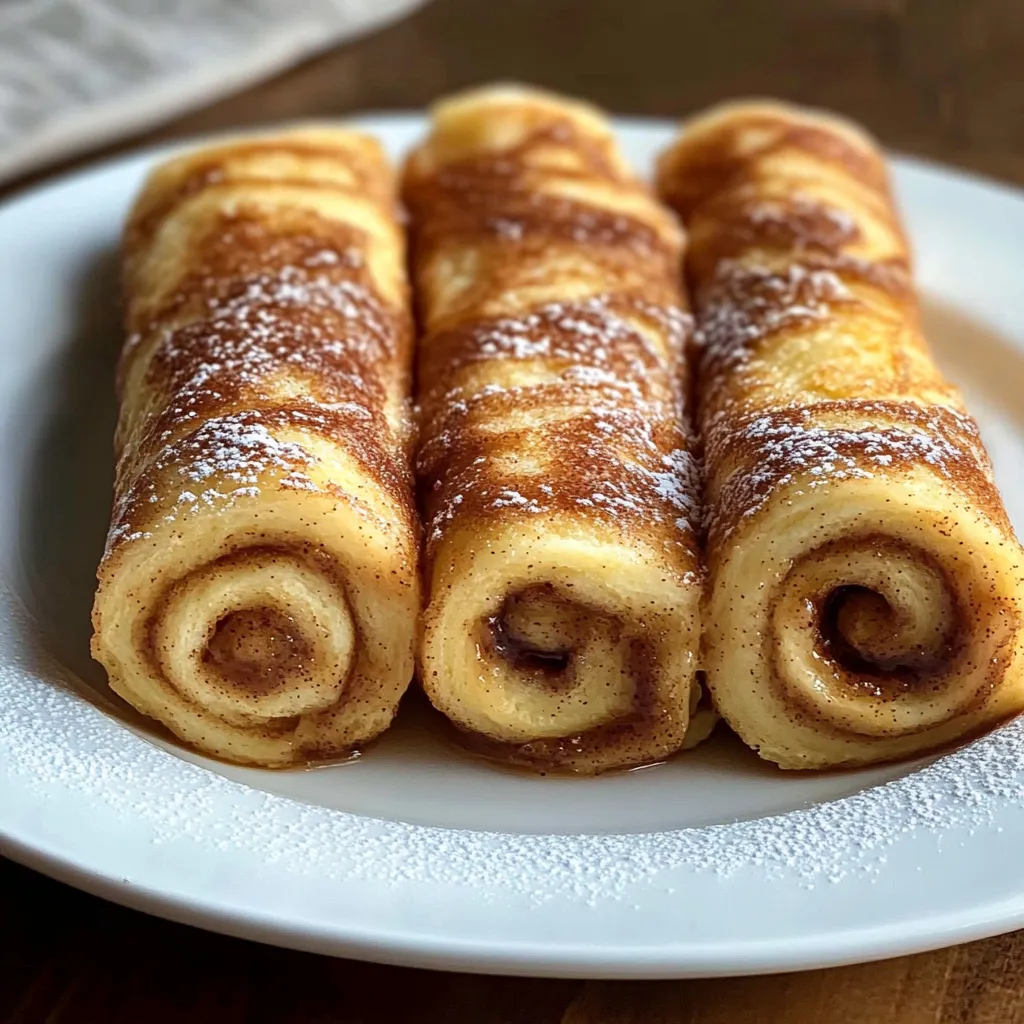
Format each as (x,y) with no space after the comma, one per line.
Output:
(603,422)
(812,224)
(799,443)
(745,303)
(594,334)
(236,447)
(230,455)
(294,286)
(616,449)
(297,340)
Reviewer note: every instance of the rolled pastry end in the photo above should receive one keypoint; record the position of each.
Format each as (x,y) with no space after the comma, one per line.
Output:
(888,622)
(273,632)
(561,646)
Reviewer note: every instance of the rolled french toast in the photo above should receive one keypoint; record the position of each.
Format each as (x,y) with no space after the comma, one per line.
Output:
(864,599)
(556,477)
(259,590)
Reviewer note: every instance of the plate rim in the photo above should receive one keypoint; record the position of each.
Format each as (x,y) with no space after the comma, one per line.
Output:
(437,952)
(631,963)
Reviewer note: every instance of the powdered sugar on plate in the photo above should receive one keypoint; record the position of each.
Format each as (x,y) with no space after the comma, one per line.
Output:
(51,739)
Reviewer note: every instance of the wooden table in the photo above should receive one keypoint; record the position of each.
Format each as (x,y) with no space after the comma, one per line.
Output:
(941,78)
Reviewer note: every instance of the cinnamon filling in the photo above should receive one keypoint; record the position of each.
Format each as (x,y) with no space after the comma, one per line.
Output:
(536,631)
(863,634)
(257,649)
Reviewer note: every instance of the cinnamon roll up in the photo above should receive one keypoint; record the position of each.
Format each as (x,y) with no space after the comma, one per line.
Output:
(259,593)
(864,598)
(555,472)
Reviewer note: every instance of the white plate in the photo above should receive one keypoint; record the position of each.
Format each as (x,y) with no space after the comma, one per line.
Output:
(417,853)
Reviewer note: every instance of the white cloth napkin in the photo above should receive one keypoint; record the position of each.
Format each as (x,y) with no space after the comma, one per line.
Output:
(75,74)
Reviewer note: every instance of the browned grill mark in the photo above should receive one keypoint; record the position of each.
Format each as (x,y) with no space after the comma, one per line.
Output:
(590,472)
(492,201)
(211,171)
(488,176)
(362,431)
(239,249)
(716,162)
(793,222)
(564,336)
(530,222)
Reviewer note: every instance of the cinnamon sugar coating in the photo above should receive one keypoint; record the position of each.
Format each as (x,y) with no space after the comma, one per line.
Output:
(864,597)
(259,590)
(555,468)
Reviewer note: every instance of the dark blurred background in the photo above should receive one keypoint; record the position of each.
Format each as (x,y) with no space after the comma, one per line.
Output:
(941,78)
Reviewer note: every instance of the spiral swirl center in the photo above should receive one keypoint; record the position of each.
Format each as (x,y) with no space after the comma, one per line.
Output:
(552,665)
(536,631)
(877,641)
(258,649)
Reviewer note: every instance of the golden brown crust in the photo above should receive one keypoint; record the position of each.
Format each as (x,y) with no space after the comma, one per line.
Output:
(263,476)
(554,447)
(845,480)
